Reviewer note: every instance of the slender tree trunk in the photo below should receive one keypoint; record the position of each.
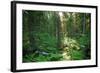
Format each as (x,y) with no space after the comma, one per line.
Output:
(62,28)
(58,35)
(84,23)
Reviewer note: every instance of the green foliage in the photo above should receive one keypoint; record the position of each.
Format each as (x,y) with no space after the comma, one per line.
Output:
(77,55)
(28,58)
(84,44)
(84,40)
(55,57)
(41,58)
(46,42)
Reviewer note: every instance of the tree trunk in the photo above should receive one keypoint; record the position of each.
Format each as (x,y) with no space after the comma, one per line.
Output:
(84,23)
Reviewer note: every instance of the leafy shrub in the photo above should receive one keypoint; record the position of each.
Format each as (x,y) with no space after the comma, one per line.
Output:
(77,55)
(84,52)
(46,42)
(84,40)
(29,58)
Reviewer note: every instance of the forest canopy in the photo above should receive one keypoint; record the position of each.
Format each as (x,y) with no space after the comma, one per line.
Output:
(56,36)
